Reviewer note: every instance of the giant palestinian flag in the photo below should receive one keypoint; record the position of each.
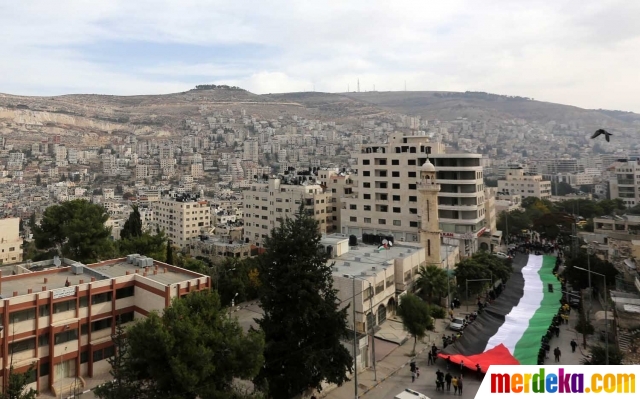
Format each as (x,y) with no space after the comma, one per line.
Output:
(509,331)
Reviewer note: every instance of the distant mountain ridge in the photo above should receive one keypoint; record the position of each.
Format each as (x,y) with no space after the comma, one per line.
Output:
(91,115)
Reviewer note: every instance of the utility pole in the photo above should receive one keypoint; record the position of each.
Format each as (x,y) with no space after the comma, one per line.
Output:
(355,339)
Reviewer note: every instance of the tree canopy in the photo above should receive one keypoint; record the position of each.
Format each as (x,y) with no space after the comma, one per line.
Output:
(147,244)
(599,356)
(17,383)
(133,226)
(303,323)
(415,317)
(432,282)
(482,265)
(579,279)
(194,350)
(76,230)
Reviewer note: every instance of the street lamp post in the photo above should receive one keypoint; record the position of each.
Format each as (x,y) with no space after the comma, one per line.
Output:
(606,308)
(373,338)
(588,248)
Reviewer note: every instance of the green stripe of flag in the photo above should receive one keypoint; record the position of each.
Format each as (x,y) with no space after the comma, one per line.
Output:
(528,346)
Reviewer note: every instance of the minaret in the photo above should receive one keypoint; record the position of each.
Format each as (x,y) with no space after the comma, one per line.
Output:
(429,222)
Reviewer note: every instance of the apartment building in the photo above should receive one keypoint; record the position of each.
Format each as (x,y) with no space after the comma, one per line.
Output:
(251,150)
(182,218)
(58,315)
(626,182)
(519,182)
(10,241)
(625,224)
(385,192)
(340,185)
(266,205)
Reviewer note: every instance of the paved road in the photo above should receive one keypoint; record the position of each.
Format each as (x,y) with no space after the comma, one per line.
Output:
(424,384)
(247,315)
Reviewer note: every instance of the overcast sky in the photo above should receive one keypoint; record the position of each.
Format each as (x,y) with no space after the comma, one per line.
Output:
(584,53)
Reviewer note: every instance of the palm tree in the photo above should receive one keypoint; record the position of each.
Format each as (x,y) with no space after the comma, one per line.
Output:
(432,281)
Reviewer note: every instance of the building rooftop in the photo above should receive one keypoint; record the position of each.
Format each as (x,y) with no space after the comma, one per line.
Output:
(36,277)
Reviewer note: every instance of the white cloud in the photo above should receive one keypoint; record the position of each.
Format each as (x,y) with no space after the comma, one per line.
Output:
(575,52)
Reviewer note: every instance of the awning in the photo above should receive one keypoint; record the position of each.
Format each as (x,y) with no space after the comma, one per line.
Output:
(630,264)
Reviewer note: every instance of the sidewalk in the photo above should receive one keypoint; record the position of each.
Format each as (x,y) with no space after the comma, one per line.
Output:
(394,361)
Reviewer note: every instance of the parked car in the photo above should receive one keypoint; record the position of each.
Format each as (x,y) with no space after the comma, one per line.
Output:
(502,255)
(457,324)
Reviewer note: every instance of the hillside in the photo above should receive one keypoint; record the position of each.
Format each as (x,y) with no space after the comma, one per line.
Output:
(89,119)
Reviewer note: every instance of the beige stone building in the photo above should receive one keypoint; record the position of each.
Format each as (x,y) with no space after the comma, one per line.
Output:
(626,182)
(10,241)
(59,315)
(385,192)
(266,205)
(517,181)
(182,218)
(340,185)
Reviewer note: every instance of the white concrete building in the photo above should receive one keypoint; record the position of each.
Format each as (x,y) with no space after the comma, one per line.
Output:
(182,218)
(525,184)
(10,241)
(626,182)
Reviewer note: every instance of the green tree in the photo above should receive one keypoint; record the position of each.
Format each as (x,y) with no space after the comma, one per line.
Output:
(38,180)
(295,265)
(195,265)
(151,245)
(32,221)
(76,230)
(194,350)
(580,279)
(17,384)
(432,281)
(599,356)
(133,226)
(482,265)
(561,189)
(169,257)
(516,220)
(125,383)
(415,317)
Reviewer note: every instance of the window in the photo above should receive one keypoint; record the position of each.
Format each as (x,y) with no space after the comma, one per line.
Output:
(412,174)
(44,369)
(84,329)
(366,185)
(21,346)
(366,173)
(125,317)
(390,281)
(379,287)
(101,298)
(65,336)
(382,221)
(413,198)
(109,351)
(353,219)
(395,174)
(396,210)
(43,340)
(411,162)
(101,324)
(22,315)
(98,355)
(397,223)
(84,357)
(84,301)
(367,207)
(413,224)
(396,198)
(125,292)
(366,162)
(413,211)
(395,162)
(367,220)
(353,206)
(64,306)
(367,196)
(43,310)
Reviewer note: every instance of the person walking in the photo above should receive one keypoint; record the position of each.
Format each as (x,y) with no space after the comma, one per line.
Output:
(556,354)
(413,376)
(454,382)
(429,359)
(447,379)
(460,385)
(574,345)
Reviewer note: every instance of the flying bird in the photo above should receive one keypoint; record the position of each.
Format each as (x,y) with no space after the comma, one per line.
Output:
(601,131)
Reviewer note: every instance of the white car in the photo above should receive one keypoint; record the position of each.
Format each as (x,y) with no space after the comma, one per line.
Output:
(457,324)
(502,255)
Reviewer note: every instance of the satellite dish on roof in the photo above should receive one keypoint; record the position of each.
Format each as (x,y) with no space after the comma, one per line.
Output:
(385,242)
(56,261)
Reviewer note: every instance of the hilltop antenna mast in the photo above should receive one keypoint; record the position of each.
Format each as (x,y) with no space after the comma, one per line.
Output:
(405,85)
(358,85)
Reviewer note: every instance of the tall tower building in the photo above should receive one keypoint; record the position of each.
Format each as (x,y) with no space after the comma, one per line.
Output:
(428,190)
